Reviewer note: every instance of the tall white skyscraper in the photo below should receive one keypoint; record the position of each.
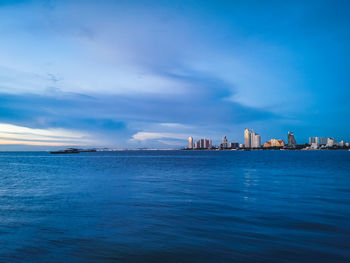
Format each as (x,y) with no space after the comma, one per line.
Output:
(190,142)
(251,139)
(247,138)
(256,140)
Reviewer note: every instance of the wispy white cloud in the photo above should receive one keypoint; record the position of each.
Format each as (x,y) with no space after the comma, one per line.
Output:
(14,134)
(174,125)
(172,143)
(143,136)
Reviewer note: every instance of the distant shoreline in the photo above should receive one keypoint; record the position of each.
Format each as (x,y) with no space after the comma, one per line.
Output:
(189,150)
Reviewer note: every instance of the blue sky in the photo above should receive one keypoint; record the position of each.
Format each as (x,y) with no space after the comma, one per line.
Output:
(151,73)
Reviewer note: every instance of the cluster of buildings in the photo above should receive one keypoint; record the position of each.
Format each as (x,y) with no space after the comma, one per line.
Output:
(207,144)
(252,140)
(200,144)
(280,143)
(325,142)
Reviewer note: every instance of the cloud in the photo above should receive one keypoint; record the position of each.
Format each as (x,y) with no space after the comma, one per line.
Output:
(140,49)
(113,119)
(143,136)
(174,125)
(14,134)
(177,144)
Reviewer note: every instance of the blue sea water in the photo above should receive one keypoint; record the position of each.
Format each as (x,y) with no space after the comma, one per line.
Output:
(175,206)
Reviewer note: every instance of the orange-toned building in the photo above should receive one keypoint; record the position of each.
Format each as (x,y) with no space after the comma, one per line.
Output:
(274,143)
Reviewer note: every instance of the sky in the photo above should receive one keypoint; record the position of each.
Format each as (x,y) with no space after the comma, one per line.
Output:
(131,74)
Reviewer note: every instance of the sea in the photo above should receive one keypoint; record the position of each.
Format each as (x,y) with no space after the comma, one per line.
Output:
(175,206)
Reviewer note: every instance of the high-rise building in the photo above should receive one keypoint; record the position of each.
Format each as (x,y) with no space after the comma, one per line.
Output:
(224,142)
(256,140)
(203,144)
(206,144)
(313,140)
(197,145)
(323,140)
(190,142)
(291,140)
(251,139)
(247,139)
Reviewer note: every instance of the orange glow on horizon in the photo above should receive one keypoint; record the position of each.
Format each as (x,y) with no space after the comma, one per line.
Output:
(34,143)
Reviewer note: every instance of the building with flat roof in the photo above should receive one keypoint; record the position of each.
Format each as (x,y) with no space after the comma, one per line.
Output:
(190,142)
(313,140)
(323,140)
(256,140)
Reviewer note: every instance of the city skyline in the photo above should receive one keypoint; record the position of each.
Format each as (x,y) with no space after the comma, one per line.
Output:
(252,140)
(123,74)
